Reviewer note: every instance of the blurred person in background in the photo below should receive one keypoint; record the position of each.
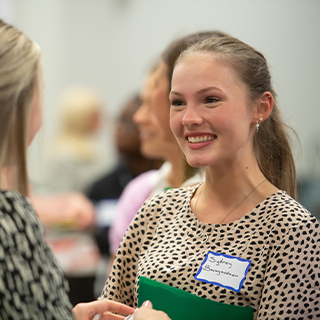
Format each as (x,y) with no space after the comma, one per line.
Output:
(73,161)
(105,192)
(74,158)
(157,140)
(153,145)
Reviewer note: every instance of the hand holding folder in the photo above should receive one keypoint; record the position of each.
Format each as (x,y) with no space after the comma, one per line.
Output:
(182,305)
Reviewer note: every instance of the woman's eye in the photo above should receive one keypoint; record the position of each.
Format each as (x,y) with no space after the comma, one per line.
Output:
(211,100)
(177,103)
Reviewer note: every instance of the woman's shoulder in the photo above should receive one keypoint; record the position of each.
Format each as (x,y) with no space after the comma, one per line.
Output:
(174,195)
(285,211)
(167,203)
(16,208)
(8,198)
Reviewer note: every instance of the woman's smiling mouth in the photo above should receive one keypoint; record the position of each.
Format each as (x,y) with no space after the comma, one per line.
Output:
(204,138)
(199,140)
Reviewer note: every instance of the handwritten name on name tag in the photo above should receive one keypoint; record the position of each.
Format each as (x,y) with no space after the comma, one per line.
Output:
(223,270)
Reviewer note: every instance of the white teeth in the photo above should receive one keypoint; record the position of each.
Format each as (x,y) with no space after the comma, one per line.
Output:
(199,139)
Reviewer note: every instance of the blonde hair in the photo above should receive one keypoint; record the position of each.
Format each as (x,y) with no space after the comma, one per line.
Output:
(19,72)
(272,142)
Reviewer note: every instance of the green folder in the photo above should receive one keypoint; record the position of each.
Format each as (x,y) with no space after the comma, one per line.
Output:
(182,305)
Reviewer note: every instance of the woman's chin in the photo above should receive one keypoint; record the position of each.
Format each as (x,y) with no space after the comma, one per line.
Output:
(196,163)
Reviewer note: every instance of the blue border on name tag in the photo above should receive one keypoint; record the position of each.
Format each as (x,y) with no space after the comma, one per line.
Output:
(227,256)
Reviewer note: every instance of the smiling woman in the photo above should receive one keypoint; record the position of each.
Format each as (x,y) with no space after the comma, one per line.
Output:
(225,117)
(248,70)
(210,113)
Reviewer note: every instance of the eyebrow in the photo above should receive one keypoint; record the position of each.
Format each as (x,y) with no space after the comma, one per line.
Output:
(198,92)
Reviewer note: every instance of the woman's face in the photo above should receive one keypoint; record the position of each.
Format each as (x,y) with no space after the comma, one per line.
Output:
(36,110)
(152,136)
(160,100)
(210,114)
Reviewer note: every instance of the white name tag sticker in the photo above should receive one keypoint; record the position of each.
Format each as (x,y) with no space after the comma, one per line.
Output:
(223,270)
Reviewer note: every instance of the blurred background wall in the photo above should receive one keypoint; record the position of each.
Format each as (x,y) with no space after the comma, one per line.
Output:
(109,45)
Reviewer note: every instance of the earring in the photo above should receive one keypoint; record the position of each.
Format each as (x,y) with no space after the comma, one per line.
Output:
(258,125)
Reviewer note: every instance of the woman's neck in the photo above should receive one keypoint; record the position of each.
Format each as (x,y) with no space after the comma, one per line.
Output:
(232,192)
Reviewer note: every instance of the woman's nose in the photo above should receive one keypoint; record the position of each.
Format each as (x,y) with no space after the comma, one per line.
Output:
(191,116)
(141,114)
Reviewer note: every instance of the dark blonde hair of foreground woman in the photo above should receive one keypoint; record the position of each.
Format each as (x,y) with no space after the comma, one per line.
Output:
(32,282)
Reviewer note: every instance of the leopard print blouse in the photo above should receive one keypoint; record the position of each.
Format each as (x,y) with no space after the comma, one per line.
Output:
(32,284)
(278,236)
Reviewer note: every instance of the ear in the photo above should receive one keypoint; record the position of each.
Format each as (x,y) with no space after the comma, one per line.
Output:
(264,107)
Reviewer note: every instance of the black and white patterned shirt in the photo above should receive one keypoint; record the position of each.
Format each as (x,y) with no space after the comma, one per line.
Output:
(32,284)
(278,236)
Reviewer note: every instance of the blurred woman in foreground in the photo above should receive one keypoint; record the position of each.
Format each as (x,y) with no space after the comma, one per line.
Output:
(32,282)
